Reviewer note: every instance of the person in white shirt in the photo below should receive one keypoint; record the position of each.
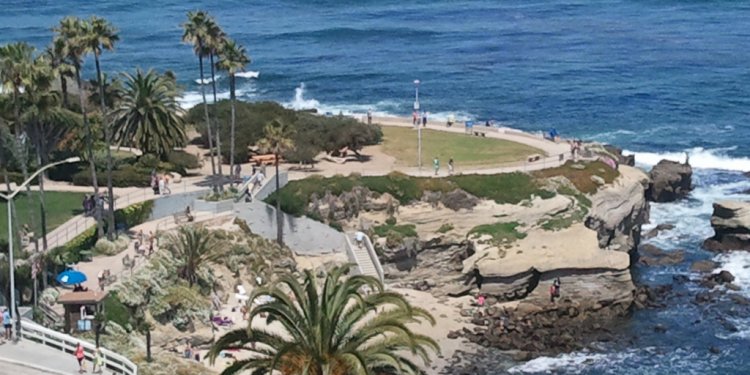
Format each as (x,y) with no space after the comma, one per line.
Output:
(359,236)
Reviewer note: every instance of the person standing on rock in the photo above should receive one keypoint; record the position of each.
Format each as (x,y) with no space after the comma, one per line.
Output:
(552,293)
(556,283)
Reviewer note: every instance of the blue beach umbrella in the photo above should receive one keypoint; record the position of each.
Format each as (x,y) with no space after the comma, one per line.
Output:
(71,277)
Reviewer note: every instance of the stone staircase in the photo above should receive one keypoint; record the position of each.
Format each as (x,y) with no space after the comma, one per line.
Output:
(364,256)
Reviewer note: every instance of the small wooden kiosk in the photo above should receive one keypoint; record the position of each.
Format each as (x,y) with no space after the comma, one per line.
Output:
(80,309)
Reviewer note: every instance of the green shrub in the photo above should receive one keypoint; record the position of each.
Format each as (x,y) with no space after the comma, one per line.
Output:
(502,188)
(407,230)
(115,311)
(105,247)
(390,220)
(135,214)
(72,252)
(500,232)
(445,228)
(129,176)
(182,161)
(546,194)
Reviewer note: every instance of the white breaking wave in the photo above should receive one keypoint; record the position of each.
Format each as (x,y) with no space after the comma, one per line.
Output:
(206,81)
(384,108)
(699,158)
(573,362)
(248,74)
(190,99)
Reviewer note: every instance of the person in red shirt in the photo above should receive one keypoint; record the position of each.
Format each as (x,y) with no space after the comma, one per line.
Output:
(81,357)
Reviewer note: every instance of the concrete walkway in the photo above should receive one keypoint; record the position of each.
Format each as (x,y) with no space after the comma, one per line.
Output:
(25,357)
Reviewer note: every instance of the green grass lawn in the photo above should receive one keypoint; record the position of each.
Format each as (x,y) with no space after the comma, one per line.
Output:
(61,206)
(466,150)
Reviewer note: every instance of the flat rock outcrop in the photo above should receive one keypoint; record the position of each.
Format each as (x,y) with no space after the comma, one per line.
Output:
(670,181)
(731,223)
(618,211)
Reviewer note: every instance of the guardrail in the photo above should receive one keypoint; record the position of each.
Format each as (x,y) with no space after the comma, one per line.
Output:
(114,362)
(374,258)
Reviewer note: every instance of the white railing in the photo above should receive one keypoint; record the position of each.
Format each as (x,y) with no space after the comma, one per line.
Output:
(79,224)
(60,341)
(371,255)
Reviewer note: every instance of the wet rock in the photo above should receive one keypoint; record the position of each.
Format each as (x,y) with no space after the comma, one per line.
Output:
(740,300)
(722,277)
(703,266)
(714,350)
(621,159)
(659,228)
(670,181)
(729,326)
(521,356)
(731,223)
(733,287)
(660,328)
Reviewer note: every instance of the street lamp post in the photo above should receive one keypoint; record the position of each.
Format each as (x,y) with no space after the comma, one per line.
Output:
(9,198)
(419,128)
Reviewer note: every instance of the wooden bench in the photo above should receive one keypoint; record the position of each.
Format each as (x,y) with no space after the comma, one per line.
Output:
(268,159)
(535,157)
(479,133)
(181,217)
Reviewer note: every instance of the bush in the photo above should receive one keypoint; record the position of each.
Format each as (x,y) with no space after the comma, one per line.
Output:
(135,214)
(182,161)
(129,176)
(407,230)
(500,232)
(445,228)
(105,247)
(116,311)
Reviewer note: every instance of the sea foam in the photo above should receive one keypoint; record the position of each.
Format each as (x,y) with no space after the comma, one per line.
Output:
(699,158)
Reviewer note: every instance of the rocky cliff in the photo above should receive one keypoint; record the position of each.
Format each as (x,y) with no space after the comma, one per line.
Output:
(731,223)
(670,181)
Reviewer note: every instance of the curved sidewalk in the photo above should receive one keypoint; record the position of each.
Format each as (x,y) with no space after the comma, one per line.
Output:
(26,357)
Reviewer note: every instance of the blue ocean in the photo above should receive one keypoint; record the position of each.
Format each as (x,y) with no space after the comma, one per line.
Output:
(658,78)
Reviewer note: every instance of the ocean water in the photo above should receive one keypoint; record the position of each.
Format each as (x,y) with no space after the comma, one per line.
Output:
(658,78)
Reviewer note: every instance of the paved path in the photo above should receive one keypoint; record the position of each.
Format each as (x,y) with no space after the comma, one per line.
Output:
(25,357)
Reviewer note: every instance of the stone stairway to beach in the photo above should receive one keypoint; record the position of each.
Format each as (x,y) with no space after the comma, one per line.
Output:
(361,257)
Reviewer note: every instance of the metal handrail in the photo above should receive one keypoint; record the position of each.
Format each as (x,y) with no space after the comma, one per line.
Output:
(60,341)
(374,258)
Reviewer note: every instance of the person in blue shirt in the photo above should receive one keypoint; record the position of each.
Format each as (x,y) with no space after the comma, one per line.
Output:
(7,324)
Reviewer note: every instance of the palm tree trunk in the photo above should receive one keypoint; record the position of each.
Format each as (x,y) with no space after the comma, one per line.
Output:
(22,152)
(90,153)
(108,143)
(64,89)
(42,204)
(279,221)
(231,133)
(208,121)
(218,123)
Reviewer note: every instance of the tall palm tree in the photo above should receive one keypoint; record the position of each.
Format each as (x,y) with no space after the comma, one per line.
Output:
(277,139)
(215,37)
(148,115)
(233,59)
(57,55)
(102,35)
(16,65)
(47,121)
(75,33)
(329,328)
(194,247)
(196,33)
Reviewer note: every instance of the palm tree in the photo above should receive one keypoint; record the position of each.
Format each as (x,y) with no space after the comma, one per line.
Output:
(47,121)
(277,139)
(196,33)
(16,65)
(233,59)
(102,35)
(76,35)
(57,55)
(148,114)
(329,328)
(194,247)
(215,37)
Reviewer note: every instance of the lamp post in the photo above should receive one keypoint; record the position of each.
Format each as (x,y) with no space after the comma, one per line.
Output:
(419,128)
(9,198)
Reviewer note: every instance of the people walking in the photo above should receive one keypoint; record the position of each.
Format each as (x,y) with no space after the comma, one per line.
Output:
(424,119)
(98,361)
(414,118)
(166,190)
(450,166)
(369,116)
(436,165)
(81,358)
